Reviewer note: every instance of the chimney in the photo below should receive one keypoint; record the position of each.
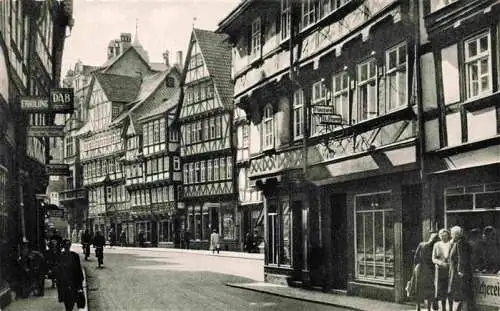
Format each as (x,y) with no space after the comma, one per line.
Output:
(179,58)
(166,58)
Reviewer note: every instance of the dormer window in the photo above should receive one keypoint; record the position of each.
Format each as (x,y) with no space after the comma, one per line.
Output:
(170,82)
(268,128)
(255,43)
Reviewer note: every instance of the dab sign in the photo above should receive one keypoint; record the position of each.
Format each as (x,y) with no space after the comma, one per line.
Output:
(61,99)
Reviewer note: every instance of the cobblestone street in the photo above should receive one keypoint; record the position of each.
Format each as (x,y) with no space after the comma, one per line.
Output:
(170,280)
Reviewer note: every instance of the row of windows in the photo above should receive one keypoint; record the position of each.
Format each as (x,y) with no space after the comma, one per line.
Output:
(152,196)
(152,167)
(102,144)
(209,170)
(101,168)
(199,92)
(206,129)
(196,68)
(154,132)
(368,105)
(100,116)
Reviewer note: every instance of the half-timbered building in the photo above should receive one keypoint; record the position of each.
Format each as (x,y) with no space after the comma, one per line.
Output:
(206,122)
(152,161)
(250,206)
(32,36)
(333,138)
(460,64)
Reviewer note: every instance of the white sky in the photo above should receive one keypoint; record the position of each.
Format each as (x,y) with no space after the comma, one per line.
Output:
(163,24)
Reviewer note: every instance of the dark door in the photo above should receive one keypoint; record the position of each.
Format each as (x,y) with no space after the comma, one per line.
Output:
(298,245)
(412,232)
(338,208)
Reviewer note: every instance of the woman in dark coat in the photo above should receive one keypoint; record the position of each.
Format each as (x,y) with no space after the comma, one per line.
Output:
(460,279)
(69,276)
(424,272)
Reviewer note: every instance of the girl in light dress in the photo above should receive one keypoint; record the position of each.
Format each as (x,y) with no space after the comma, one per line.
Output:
(441,260)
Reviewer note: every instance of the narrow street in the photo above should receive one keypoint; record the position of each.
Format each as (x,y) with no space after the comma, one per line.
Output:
(168,280)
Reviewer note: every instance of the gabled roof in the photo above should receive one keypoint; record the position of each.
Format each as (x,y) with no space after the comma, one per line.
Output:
(216,52)
(139,105)
(110,62)
(119,88)
(162,107)
(158,66)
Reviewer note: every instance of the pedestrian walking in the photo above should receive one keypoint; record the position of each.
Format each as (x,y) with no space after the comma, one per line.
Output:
(33,269)
(99,243)
(460,280)
(141,239)
(86,241)
(441,260)
(112,237)
(214,242)
(248,242)
(69,276)
(423,272)
(187,238)
(52,259)
(123,238)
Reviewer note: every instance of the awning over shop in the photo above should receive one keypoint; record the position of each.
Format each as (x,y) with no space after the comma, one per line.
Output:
(475,158)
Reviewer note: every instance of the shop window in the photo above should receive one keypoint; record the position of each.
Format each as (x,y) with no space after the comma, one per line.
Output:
(273,233)
(228,226)
(165,234)
(374,237)
(286,245)
(145,227)
(476,208)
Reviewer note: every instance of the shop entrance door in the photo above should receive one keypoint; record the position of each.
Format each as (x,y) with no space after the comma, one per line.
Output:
(338,210)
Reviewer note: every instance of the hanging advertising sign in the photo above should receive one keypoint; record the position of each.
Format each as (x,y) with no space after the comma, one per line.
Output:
(317,109)
(60,101)
(46,131)
(331,119)
(57,169)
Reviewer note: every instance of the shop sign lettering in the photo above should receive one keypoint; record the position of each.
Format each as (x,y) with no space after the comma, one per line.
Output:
(487,290)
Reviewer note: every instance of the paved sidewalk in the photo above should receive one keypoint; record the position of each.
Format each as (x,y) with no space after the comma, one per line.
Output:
(243,255)
(46,303)
(338,300)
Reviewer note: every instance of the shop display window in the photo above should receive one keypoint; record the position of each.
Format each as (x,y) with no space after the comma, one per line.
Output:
(476,208)
(374,228)
(228,226)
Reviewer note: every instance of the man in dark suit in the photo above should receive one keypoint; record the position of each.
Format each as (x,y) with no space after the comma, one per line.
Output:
(69,276)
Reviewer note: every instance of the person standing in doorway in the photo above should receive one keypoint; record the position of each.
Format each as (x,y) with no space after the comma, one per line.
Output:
(214,242)
(441,260)
(123,238)
(69,276)
(99,243)
(112,237)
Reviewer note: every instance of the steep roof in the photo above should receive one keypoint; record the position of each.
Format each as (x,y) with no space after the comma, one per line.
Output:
(158,66)
(162,107)
(216,52)
(110,62)
(139,104)
(119,88)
